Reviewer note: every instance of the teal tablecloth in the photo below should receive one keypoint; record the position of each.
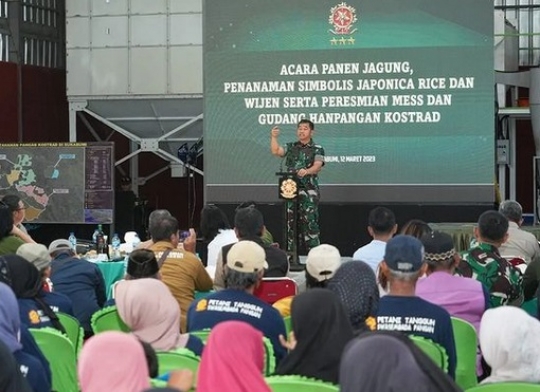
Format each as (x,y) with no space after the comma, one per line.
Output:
(112,273)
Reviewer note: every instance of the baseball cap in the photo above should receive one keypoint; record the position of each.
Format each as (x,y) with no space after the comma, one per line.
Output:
(36,254)
(246,256)
(323,261)
(404,253)
(60,244)
(142,263)
(438,246)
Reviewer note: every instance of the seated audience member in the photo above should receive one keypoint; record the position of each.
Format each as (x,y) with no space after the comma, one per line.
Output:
(464,298)
(113,362)
(9,243)
(519,242)
(381,227)
(416,228)
(11,378)
(37,307)
(155,216)
(10,329)
(18,211)
(233,360)
(508,339)
(321,330)
(153,315)
(243,272)
(484,263)
(38,255)
(383,362)
(356,287)
(266,237)
(181,271)
(401,310)
(79,280)
(216,232)
(531,280)
(322,263)
(141,264)
(249,225)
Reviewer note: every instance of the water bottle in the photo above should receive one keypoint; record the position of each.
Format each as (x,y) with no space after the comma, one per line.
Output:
(73,240)
(115,242)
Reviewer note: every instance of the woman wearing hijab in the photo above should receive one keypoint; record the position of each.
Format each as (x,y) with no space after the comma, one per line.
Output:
(356,287)
(509,339)
(153,315)
(390,362)
(35,305)
(10,330)
(233,360)
(321,330)
(113,362)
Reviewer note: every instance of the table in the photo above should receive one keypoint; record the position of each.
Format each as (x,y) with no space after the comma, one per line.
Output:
(112,272)
(463,233)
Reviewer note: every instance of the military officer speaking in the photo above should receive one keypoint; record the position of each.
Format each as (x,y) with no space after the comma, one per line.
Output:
(306,159)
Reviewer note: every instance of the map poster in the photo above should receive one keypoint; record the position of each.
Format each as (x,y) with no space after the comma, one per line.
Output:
(60,182)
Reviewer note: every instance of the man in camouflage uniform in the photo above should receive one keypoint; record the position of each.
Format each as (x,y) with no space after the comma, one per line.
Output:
(484,263)
(306,159)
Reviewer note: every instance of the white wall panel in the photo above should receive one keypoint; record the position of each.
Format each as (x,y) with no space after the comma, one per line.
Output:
(148,30)
(78,75)
(126,43)
(148,6)
(148,70)
(109,7)
(109,31)
(77,8)
(78,33)
(186,70)
(109,72)
(186,29)
(187,5)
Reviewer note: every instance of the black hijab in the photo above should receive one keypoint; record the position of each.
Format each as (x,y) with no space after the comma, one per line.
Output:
(322,331)
(390,362)
(25,281)
(11,379)
(356,286)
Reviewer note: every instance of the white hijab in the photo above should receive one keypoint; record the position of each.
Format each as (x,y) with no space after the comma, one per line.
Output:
(509,339)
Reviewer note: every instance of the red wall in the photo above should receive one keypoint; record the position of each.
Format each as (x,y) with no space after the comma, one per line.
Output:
(8,102)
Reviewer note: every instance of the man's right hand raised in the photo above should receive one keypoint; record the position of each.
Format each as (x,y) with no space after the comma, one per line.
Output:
(274,132)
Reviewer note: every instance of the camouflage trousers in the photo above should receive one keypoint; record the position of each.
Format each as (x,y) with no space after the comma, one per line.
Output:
(307,220)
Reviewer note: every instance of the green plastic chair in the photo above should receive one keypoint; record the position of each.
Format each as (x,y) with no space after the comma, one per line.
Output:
(506,387)
(74,331)
(178,359)
(466,347)
(62,358)
(433,350)
(299,384)
(531,307)
(269,357)
(108,319)
(202,334)
(288,324)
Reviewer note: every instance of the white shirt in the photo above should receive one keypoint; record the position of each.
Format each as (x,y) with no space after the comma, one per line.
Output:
(372,253)
(224,237)
(520,243)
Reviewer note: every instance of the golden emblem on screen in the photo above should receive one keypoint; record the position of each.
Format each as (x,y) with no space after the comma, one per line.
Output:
(288,189)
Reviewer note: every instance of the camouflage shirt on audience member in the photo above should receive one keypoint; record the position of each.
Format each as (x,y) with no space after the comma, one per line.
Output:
(503,281)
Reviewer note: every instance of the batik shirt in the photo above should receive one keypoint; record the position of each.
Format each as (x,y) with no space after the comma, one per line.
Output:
(302,156)
(502,280)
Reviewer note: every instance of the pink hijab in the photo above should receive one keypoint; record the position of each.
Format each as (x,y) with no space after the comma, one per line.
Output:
(149,309)
(233,360)
(113,362)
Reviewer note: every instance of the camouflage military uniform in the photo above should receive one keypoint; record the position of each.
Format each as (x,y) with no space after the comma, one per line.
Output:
(503,281)
(302,156)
